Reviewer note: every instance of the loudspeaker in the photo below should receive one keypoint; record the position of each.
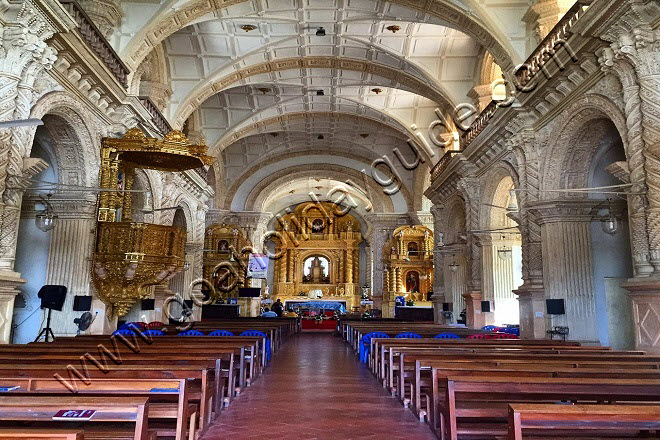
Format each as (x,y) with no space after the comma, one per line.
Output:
(249,292)
(188,303)
(446,307)
(52,297)
(486,306)
(555,306)
(148,304)
(82,303)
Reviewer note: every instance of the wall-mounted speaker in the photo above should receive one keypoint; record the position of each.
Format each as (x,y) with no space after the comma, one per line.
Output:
(148,304)
(486,307)
(555,306)
(446,307)
(82,303)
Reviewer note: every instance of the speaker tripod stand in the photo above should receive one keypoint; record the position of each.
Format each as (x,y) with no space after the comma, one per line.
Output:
(46,332)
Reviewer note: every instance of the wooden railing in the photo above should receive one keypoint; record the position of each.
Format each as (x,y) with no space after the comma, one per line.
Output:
(439,167)
(97,42)
(479,124)
(156,116)
(551,44)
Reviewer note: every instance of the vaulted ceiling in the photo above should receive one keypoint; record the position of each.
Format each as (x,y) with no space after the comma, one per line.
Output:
(272,97)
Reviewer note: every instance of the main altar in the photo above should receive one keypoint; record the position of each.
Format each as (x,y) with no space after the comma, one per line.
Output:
(317,255)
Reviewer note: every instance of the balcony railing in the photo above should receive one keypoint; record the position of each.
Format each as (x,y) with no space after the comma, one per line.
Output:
(553,42)
(442,163)
(97,42)
(156,116)
(479,124)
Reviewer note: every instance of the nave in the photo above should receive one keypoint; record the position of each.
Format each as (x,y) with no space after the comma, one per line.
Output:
(316,389)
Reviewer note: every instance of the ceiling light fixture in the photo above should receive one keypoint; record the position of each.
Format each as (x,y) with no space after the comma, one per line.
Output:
(248,27)
(45,219)
(320,32)
(393,28)
(264,90)
(274,134)
(453,266)
(320,93)
(321,137)
(364,135)
(377,91)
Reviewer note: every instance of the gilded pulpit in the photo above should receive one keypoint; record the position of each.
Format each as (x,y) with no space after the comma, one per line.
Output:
(408,266)
(317,255)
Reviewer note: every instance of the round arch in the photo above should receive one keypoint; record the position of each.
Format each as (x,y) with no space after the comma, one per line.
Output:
(444,11)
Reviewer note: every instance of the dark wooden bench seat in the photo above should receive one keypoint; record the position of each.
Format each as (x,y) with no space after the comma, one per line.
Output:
(115,417)
(531,421)
(464,405)
(41,434)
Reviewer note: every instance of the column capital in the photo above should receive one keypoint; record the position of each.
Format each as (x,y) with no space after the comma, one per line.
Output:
(578,211)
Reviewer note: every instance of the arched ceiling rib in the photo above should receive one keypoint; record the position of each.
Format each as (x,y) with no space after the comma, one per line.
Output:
(490,26)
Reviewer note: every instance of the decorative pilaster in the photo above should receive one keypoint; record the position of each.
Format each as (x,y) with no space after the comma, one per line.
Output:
(70,255)
(438,263)
(568,268)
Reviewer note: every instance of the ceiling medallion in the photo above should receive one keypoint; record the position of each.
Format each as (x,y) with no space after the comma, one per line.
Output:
(393,28)
(377,91)
(264,90)
(248,27)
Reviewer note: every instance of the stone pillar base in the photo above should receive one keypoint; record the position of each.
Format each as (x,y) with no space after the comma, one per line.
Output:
(250,307)
(645,296)
(104,323)
(9,283)
(161,306)
(532,313)
(474,317)
(388,309)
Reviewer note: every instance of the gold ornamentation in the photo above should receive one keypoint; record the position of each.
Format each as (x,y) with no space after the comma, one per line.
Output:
(131,256)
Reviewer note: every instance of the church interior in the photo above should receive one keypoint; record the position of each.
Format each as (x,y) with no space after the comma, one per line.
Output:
(329,219)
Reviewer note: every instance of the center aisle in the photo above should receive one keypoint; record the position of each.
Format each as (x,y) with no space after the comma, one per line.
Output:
(315,388)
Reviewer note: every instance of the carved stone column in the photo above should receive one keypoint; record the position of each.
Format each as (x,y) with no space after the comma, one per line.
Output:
(636,164)
(531,293)
(438,263)
(380,231)
(568,268)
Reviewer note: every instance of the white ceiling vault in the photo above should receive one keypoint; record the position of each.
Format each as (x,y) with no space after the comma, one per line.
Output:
(269,94)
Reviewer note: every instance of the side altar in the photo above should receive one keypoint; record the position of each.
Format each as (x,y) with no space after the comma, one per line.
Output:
(317,255)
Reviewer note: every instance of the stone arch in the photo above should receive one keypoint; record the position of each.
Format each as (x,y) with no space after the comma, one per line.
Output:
(444,11)
(456,219)
(572,149)
(184,209)
(214,85)
(495,193)
(77,153)
(381,202)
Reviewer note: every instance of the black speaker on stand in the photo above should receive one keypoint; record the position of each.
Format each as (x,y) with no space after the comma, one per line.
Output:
(52,298)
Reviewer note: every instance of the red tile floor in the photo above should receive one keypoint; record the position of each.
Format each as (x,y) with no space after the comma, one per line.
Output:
(315,388)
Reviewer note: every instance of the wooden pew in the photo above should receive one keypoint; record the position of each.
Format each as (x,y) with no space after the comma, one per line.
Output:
(551,420)
(168,399)
(115,417)
(40,434)
(477,407)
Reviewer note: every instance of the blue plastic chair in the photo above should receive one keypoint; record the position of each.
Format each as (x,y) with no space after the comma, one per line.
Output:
(488,328)
(124,332)
(154,333)
(259,334)
(512,330)
(447,336)
(408,335)
(191,333)
(220,333)
(365,344)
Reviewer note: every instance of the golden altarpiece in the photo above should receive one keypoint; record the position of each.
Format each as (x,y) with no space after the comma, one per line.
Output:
(317,252)
(130,256)
(226,255)
(408,266)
